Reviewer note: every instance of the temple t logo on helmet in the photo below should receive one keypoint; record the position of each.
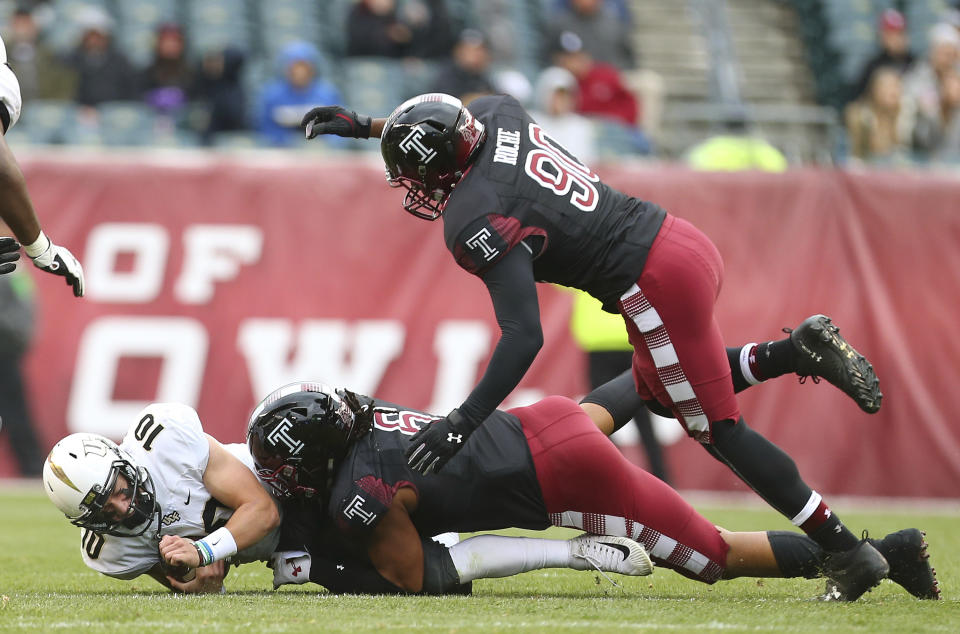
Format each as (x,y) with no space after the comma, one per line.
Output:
(428,143)
(299,434)
(413,143)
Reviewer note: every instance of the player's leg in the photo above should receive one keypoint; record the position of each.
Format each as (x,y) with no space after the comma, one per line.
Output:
(681,361)
(494,556)
(606,365)
(587,484)
(816,349)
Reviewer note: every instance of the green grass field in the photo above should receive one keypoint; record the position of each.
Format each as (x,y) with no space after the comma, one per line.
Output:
(45,587)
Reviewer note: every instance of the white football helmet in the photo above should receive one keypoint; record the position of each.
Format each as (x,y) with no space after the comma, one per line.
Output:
(81,473)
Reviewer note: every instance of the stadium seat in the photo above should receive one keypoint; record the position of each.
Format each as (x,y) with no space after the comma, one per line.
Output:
(126,123)
(48,121)
(283,21)
(217,23)
(137,21)
(333,27)
(418,77)
(63,32)
(376,84)
(18,136)
(613,139)
(920,16)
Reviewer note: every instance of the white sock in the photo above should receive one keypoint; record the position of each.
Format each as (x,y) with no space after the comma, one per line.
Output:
(491,556)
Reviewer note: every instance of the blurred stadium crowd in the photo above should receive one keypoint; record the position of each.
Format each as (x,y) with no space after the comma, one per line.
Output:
(884,74)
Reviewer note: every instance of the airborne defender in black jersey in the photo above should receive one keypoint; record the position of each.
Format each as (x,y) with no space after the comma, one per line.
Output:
(517,208)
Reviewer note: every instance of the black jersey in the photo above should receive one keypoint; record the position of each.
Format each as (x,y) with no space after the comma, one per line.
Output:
(490,483)
(524,187)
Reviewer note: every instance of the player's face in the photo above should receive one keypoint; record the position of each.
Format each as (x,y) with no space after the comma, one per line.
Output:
(119,506)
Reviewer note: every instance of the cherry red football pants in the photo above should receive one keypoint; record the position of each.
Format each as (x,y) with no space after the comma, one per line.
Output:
(588,484)
(680,358)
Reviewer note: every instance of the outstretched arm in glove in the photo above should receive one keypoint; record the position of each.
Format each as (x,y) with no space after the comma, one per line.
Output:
(17,212)
(339,121)
(513,291)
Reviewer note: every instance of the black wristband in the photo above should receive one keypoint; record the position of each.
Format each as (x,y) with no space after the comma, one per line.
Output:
(363,126)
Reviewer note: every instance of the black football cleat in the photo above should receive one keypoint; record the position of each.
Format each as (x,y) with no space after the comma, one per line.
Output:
(824,353)
(906,552)
(853,572)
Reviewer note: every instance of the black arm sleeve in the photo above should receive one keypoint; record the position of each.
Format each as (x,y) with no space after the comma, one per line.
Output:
(514,294)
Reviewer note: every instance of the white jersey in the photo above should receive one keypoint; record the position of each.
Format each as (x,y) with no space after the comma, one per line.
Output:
(9,88)
(168,440)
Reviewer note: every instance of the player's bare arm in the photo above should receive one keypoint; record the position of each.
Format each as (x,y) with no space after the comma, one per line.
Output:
(254,516)
(394,546)
(16,209)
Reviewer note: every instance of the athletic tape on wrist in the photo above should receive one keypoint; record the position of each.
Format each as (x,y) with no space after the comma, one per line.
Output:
(217,545)
(38,246)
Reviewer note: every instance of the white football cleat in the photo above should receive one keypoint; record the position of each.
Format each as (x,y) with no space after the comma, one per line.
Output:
(609,554)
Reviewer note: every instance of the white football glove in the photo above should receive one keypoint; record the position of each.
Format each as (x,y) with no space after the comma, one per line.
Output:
(57,260)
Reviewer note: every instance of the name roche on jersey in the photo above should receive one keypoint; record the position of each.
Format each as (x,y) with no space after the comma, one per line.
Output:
(508,147)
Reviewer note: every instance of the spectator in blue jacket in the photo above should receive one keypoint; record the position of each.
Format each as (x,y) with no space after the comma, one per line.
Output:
(287,98)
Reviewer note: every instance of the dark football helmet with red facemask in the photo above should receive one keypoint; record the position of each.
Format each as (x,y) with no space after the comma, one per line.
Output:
(299,434)
(428,143)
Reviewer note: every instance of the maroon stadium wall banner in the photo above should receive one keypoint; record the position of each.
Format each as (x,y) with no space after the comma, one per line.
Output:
(213,280)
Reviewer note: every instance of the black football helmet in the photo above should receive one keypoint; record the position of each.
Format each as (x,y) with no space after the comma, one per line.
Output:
(427,144)
(299,434)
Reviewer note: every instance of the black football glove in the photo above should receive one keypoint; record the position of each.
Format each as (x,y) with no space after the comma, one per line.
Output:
(9,253)
(59,261)
(433,446)
(336,120)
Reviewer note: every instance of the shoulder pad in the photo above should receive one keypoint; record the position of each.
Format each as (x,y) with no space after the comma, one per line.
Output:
(10,93)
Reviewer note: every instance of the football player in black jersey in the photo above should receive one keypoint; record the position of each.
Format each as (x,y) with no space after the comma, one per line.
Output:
(517,208)
(528,467)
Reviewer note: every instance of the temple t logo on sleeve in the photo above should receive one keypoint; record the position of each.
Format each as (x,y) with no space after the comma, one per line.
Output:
(355,509)
(479,241)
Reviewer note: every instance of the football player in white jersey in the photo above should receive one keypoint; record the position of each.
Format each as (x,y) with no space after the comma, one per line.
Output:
(16,208)
(170,500)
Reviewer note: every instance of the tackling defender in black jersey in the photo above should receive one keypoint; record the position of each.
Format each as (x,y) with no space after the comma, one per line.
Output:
(517,208)
(528,467)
